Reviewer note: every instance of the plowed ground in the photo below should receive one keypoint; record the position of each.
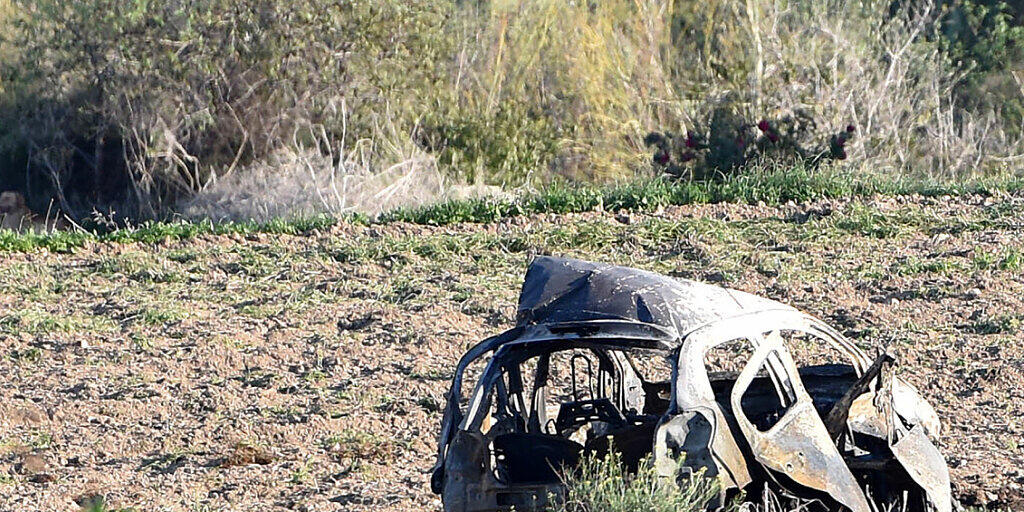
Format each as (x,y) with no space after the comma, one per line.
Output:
(308,372)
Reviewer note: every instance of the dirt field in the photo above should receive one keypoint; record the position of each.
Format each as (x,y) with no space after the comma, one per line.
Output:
(307,373)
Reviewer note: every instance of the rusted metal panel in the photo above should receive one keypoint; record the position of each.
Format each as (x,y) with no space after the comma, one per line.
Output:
(926,466)
(799,445)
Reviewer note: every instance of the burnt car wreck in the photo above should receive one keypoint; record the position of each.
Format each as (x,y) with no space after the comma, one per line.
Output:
(605,357)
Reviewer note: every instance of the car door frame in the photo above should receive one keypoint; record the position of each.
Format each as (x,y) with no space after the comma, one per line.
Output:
(693,394)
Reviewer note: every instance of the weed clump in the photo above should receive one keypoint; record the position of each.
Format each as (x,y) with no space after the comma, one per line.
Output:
(603,485)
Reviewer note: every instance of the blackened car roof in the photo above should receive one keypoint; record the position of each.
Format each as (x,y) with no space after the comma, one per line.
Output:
(559,291)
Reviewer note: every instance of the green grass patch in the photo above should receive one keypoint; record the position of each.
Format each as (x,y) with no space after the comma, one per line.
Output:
(770,187)
(1001,324)
(154,316)
(359,445)
(943,266)
(39,321)
(154,232)
(773,187)
(97,504)
(1009,258)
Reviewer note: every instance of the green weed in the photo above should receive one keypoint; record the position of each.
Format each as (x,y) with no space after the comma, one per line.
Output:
(1001,324)
(98,504)
(943,266)
(603,484)
(1010,258)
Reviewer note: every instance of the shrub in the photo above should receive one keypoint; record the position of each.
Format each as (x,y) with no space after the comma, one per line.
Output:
(985,40)
(550,89)
(981,36)
(729,145)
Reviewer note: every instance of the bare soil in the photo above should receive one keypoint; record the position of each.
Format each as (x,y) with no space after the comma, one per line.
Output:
(307,373)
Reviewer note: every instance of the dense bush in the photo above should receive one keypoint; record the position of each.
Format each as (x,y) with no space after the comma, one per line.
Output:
(142,107)
(985,40)
(158,98)
(879,66)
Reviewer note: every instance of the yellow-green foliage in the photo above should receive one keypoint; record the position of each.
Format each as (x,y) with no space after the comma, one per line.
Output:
(574,84)
(5,19)
(594,63)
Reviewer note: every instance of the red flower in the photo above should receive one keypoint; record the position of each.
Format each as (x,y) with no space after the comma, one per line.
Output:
(661,157)
(691,142)
(851,128)
(772,136)
(763,125)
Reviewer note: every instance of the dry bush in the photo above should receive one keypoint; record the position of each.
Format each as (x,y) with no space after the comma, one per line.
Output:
(553,88)
(884,74)
(301,181)
(138,104)
(597,76)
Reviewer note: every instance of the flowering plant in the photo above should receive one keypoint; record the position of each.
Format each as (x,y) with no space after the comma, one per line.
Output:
(730,143)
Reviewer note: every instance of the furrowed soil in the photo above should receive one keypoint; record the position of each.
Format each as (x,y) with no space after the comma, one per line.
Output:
(272,372)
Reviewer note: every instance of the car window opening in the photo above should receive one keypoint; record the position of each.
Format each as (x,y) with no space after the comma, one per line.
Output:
(582,401)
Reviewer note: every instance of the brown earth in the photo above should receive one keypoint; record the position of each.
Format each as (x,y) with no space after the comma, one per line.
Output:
(271,372)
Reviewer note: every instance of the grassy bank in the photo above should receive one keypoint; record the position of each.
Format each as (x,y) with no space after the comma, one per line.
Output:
(770,188)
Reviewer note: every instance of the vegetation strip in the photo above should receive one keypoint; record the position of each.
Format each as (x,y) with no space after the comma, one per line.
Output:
(771,188)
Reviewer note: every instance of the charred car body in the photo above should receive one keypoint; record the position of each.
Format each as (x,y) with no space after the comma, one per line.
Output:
(574,377)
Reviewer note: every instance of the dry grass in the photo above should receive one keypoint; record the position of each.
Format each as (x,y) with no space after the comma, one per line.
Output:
(848,62)
(372,176)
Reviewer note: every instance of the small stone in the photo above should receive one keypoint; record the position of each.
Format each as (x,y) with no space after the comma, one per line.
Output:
(33,464)
(714,277)
(42,478)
